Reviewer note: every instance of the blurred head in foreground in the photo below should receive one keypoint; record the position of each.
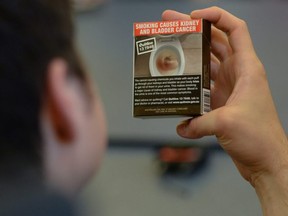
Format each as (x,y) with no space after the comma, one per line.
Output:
(52,127)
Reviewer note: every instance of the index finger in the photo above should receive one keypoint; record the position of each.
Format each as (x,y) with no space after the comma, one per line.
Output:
(174,15)
(235,28)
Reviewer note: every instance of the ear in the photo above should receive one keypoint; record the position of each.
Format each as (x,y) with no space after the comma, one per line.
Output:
(59,100)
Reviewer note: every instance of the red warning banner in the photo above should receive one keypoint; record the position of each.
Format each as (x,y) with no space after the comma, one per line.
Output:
(168,27)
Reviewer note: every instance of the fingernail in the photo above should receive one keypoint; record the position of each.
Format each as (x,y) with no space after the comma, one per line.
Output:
(182,127)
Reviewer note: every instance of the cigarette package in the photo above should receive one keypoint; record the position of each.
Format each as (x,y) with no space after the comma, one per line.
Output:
(171,68)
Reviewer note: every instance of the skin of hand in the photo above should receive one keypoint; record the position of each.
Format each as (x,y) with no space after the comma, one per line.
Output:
(243,117)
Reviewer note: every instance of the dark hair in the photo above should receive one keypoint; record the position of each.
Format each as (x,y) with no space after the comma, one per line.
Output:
(32,33)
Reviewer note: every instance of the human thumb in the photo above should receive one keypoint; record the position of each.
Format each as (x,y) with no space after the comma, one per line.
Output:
(198,127)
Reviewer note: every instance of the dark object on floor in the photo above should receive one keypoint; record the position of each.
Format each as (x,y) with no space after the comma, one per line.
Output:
(179,160)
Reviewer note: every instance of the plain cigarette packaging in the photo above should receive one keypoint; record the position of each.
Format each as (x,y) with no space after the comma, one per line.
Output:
(171,68)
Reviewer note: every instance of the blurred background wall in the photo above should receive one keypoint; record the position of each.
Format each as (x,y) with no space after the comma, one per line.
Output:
(105,40)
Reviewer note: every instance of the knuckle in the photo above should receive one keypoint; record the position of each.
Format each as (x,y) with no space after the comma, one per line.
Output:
(242,24)
(215,8)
